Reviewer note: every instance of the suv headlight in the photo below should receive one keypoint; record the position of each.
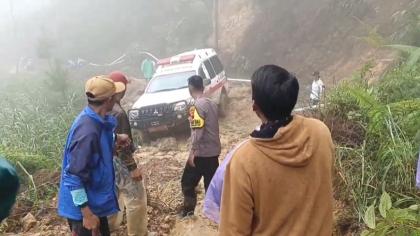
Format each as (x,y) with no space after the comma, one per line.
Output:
(133,114)
(190,101)
(180,106)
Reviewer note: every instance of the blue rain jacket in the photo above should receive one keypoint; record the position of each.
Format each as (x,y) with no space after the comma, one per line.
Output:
(88,165)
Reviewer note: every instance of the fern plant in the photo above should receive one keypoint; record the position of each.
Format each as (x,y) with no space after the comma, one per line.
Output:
(386,157)
(399,84)
(405,113)
(412,52)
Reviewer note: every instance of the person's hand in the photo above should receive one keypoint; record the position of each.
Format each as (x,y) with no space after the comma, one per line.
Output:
(137,174)
(191,159)
(123,140)
(96,232)
(90,220)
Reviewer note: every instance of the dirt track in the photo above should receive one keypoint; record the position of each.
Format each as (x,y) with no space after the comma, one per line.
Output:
(164,160)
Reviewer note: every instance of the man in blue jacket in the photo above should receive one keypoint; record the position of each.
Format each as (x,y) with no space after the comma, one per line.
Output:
(9,186)
(87,186)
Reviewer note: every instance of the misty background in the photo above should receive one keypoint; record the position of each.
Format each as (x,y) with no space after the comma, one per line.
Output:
(373,114)
(100,30)
(335,37)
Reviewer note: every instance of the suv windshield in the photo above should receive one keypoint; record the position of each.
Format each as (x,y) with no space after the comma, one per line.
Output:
(169,82)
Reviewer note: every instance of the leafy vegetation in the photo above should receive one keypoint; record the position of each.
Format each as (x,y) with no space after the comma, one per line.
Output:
(392,221)
(37,110)
(382,155)
(36,114)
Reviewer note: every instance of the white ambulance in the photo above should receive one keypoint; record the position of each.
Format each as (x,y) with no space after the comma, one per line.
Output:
(166,100)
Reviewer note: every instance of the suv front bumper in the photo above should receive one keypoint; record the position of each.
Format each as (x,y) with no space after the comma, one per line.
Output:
(160,123)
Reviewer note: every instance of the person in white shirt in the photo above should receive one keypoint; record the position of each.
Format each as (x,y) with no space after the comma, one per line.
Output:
(317,89)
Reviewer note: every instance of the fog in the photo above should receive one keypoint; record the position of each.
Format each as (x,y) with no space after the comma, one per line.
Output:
(302,36)
(49,48)
(10,9)
(99,31)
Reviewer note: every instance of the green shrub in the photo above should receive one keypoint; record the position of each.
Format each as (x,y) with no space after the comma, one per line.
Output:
(35,118)
(342,105)
(398,85)
(392,220)
(366,170)
(386,155)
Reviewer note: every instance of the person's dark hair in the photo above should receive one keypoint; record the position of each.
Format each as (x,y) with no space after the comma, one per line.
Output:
(94,102)
(196,82)
(275,91)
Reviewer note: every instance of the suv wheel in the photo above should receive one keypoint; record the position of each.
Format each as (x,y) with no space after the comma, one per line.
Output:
(223,105)
(141,137)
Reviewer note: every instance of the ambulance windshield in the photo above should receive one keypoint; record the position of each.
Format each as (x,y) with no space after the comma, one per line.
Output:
(169,82)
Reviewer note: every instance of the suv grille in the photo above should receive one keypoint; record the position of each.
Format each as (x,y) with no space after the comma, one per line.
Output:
(155,110)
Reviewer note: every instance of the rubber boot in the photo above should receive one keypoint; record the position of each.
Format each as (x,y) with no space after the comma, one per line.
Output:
(189,206)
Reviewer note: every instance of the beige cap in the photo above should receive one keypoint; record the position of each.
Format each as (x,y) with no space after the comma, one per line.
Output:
(100,88)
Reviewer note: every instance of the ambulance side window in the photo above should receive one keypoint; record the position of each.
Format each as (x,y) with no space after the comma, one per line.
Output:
(210,69)
(218,67)
(201,73)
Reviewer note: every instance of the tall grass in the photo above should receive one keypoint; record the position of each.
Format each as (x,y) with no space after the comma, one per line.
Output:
(36,113)
(385,155)
(35,117)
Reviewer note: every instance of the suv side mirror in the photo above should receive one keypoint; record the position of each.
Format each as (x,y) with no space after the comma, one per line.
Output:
(206,82)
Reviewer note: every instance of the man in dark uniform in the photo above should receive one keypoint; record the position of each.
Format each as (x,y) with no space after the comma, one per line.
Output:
(203,159)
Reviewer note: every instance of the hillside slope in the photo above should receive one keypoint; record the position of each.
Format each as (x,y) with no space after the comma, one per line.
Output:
(308,35)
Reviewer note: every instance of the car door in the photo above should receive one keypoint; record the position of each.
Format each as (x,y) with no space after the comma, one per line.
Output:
(202,72)
(220,74)
(212,88)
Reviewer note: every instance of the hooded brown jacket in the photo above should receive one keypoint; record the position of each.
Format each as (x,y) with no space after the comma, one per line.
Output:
(281,186)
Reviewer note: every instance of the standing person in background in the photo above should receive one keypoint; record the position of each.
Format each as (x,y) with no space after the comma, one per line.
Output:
(9,186)
(203,159)
(129,178)
(280,181)
(317,89)
(148,68)
(87,185)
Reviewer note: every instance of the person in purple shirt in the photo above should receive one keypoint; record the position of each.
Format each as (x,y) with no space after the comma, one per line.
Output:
(418,174)
(214,192)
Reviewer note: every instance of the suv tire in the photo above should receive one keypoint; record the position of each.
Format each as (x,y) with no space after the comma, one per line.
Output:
(223,105)
(141,137)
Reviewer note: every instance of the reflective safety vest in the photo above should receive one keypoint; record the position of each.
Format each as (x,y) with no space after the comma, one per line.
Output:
(196,121)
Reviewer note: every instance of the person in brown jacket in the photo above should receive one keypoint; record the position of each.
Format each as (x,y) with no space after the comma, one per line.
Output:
(128,176)
(280,181)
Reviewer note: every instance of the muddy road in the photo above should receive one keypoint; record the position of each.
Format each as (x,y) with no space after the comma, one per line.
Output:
(163,161)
